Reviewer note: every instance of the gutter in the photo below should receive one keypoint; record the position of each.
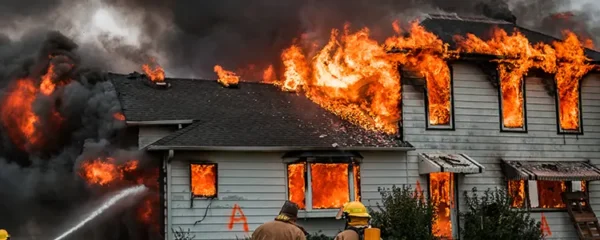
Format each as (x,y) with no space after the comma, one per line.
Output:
(274,149)
(159,122)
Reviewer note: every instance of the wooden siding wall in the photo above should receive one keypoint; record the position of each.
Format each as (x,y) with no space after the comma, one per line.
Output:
(256,182)
(478,135)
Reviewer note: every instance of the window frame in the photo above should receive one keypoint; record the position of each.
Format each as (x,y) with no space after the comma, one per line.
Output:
(527,203)
(308,210)
(524,90)
(451,124)
(194,196)
(559,129)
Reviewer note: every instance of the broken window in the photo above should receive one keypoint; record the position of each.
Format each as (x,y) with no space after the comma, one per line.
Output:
(549,194)
(512,102)
(203,180)
(439,97)
(516,191)
(323,185)
(568,109)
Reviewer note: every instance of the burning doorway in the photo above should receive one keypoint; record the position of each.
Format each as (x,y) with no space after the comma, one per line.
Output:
(442,192)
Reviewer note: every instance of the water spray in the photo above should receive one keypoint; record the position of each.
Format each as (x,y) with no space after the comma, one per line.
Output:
(132,191)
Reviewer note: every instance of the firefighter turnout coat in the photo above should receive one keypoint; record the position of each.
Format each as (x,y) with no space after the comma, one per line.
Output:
(278,230)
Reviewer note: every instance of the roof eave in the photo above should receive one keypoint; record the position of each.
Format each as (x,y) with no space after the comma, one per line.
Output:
(159,122)
(273,148)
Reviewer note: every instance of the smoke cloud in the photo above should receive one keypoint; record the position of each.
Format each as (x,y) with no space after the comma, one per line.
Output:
(39,181)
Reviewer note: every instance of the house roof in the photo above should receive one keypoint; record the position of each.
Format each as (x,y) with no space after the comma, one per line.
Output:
(253,116)
(448,26)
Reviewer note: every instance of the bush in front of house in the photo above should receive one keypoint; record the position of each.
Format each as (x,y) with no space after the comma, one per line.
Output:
(490,216)
(401,215)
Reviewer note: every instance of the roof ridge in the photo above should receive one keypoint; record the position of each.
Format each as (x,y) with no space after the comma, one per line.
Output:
(179,132)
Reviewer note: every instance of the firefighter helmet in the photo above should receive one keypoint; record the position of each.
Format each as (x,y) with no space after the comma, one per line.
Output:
(4,234)
(354,209)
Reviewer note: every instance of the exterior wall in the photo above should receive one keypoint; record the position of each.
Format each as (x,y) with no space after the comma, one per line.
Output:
(151,134)
(257,183)
(477,134)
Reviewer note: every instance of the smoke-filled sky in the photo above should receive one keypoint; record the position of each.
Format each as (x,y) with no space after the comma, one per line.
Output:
(188,37)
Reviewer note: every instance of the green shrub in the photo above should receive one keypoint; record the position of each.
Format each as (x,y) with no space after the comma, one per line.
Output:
(401,215)
(491,217)
(318,236)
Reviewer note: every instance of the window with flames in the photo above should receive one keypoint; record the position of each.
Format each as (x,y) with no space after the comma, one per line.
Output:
(438,97)
(323,185)
(568,108)
(203,180)
(541,194)
(512,102)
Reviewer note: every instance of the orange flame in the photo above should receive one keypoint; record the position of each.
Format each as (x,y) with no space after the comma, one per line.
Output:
(47,86)
(204,180)
(156,75)
(119,116)
(104,171)
(269,75)
(571,69)
(441,187)
(518,55)
(329,185)
(18,116)
(296,184)
(516,191)
(226,77)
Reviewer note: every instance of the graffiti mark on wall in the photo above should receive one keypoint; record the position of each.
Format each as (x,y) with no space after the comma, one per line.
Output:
(181,235)
(545,227)
(234,218)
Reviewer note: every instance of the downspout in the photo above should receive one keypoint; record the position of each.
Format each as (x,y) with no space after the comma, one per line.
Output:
(167,163)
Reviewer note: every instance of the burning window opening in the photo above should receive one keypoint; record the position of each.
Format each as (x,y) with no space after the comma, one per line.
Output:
(329,184)
(516,192)
(156,74)
(441,190)
(203,180)
(512,92)
(549,194)
(226,78)
(105,171)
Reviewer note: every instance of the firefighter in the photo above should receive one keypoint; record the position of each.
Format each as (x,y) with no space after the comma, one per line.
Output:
(357,220)
(4,235)
(284,226)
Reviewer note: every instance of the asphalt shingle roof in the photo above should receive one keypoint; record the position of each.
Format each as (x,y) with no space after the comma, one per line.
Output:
(447,27)
(254,115)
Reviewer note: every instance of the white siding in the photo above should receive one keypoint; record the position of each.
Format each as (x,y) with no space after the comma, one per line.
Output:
(256,182)
(151,134)
(478,135)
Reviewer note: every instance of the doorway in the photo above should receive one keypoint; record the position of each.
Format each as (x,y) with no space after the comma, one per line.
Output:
(442,193)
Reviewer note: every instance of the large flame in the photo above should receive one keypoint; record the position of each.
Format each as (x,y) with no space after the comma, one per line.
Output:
(156,74)
(297,184)
(572,67)
(204,180)
(226,78)
(329,184)
(104,171)
(441,187)
(517,56)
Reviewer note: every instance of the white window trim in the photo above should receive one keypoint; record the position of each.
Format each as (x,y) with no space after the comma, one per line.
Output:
(309,212)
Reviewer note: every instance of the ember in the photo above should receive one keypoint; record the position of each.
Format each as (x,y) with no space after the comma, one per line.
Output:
(156,75)
(329,185)
(516,191)
(297,184)
(226,78)
(441,187)
(204,180)
(104,171)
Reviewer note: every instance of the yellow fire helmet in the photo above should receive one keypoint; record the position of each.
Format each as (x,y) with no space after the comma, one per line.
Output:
(353,209)
(4,234)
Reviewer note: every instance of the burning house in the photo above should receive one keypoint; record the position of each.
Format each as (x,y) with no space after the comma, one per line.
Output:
(477,103)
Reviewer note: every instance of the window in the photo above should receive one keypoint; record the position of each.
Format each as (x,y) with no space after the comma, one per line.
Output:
(203,180)
(323,184)
(541,194)
(439,106)
(568,108)
(513,110)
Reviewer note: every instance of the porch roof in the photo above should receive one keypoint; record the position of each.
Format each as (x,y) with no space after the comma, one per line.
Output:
(550,171)
(444,162)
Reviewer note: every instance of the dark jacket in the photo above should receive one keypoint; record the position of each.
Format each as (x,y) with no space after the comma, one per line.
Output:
(278,230)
